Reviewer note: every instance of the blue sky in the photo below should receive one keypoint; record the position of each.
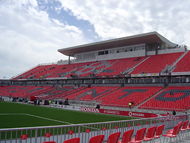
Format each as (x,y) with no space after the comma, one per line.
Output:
(33,30)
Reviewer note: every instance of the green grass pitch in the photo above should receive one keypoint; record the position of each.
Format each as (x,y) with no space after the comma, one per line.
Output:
(13,115)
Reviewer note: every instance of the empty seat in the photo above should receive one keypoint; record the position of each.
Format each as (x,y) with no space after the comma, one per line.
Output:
(127,136)
(150,134)
(113,138)
(172,133)
(139,136)
(159,131)
(97,139)
(73,140)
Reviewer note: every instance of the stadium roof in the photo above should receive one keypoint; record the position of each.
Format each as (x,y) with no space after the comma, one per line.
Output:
(146,38)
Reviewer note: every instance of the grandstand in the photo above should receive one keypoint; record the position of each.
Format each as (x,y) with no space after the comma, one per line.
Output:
(144,76)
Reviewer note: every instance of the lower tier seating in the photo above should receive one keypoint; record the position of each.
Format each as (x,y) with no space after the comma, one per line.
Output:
(171,98)
(23,91)
(155,97)
(92,93)
(123,96)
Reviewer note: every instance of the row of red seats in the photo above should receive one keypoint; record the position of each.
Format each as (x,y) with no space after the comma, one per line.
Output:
(141,135)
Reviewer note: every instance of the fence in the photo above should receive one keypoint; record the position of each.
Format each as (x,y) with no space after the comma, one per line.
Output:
(84,131)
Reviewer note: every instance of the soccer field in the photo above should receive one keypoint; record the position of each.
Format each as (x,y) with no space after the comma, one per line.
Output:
(14,115)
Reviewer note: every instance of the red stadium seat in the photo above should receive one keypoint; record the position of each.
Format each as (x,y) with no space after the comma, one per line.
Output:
(113,138)
(173,133)
(24,137)
(139,136)
(73,140)
(48,135)
(127,136)
(159,131)
(97,139)
(150,134)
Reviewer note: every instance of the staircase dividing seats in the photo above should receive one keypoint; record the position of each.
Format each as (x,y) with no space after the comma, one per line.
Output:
(172,98)
(56,92)
(183,65)
(123,96)
(121,66)
(156,63)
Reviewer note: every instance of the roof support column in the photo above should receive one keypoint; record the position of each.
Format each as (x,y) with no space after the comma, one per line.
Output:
(146,46)
(69,59)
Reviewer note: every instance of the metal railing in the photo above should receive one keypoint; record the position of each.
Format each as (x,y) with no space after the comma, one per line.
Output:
(84,131)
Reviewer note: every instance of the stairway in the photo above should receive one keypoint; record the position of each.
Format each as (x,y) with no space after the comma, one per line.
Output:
(131,69)
(136,107)
(175,63)
(106,93)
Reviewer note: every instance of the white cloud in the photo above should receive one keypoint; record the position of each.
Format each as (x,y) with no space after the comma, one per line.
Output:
(113,18)
(29,37)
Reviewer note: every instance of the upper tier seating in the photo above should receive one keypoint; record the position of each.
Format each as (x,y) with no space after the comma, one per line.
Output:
(69,70)
(121,66)
(125,95)
(98,68)
(156,63)
(171,98)
(183,65)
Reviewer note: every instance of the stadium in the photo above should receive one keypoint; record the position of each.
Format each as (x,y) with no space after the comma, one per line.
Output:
(130,89)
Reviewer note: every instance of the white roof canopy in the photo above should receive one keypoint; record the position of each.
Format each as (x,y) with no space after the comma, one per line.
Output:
(146,38)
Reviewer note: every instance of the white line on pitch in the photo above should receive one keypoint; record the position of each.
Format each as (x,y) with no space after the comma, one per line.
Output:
(42,118)
(48,119)
(55,120)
